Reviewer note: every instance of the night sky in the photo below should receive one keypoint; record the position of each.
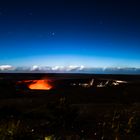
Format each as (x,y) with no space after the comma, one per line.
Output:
(93,33)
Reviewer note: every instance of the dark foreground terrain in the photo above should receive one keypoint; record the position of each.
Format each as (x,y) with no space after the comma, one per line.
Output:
(77,107)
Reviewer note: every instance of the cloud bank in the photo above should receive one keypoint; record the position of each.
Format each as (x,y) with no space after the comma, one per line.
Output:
(69,69)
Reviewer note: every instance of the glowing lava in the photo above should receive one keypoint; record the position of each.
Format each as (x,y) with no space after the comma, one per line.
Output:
(40,85)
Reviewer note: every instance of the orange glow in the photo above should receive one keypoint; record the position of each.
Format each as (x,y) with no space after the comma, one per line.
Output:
(43,84)
(40,85)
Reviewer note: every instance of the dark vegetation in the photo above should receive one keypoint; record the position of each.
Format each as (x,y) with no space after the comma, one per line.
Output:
(67,112)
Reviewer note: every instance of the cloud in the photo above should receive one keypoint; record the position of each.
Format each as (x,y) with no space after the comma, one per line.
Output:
(74,68)
(57,68)
(6,67)
(35,68)
(71,69)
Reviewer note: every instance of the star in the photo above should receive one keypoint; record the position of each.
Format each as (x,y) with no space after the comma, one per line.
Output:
(1,13)
(101,22)
(53,33)
(30,14)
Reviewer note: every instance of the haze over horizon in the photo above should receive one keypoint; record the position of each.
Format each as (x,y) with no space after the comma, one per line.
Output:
(70,33)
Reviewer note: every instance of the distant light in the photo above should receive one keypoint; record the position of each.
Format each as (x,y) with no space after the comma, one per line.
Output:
(119,81)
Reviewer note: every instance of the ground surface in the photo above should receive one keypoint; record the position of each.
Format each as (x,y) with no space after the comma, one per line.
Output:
(70,112)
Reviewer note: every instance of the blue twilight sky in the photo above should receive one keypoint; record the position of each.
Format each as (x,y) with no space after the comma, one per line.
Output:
(93,33)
